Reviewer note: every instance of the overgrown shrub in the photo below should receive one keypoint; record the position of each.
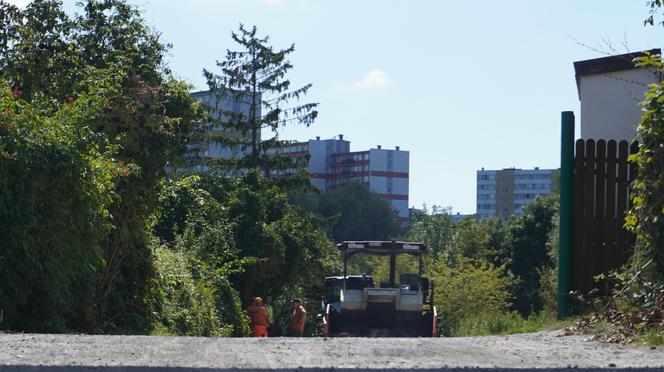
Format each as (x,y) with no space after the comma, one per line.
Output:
(55,190)
(183,305)
(468,289)
(646,215)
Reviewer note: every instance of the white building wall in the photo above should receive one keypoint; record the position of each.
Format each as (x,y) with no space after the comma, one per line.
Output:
(378,160)
(318,160)
(610,103)
(382,161)
(400,186)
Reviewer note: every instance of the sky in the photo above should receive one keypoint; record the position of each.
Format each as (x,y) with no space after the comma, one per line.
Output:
(460,84)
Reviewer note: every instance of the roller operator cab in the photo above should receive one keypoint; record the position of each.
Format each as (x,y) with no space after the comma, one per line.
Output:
(354,306)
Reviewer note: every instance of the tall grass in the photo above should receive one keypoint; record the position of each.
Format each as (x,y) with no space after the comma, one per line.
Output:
(504,324)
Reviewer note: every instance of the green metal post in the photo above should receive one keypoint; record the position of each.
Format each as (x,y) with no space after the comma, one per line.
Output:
(566,213)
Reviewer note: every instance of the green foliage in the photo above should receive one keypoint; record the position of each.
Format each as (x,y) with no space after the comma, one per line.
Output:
(654,10)
(633,311)
(530,234)
(548,276)
(652,337)
(497,323)
(523,249)
(244,231)
(361,214)
(434,228)
(144,120)
(487,239)
(255,74)
(470,288)
(183,306)
(193,223)
(287,241)
(55,190)
(646,218)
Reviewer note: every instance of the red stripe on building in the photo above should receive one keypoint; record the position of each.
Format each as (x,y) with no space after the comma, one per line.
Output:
(393,197)
(389,174)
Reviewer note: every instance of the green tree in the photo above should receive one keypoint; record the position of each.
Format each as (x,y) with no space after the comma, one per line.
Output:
(55,194)
(255,75)
(435,229)
(530,234)
(247,221)
(361,214)
(147,118)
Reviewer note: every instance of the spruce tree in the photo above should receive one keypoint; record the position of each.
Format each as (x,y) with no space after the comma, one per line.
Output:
(255,75)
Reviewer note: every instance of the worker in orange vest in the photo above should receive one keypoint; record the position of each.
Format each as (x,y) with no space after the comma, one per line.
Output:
(259,319)
(296,324)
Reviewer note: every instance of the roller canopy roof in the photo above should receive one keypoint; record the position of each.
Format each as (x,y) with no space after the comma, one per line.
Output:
(382,247)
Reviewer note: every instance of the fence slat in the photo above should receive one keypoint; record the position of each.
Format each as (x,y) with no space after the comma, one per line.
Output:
(588,214)
(621,236)
(600,260)
(577,267)
(610,226)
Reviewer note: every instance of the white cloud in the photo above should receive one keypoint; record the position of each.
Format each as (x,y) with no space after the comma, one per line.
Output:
(374,79)
(19,3)
(274,2)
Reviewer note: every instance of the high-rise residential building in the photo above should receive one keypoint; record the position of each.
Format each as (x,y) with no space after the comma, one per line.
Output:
(332,164)
(503,193)
(610,89)
(211,147)
(330,161)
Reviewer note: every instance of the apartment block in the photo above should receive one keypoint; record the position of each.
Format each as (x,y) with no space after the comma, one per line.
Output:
(332,165)
(211,147)
(504,193)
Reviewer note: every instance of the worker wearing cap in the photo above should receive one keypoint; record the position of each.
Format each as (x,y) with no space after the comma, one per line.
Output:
(259,319)
(296,324)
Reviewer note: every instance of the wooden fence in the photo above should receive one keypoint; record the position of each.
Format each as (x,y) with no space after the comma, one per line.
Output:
(602,178)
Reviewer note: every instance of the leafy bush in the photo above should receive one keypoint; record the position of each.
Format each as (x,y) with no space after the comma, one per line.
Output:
(55,189)
(467,289)
(183,305)
(645,216)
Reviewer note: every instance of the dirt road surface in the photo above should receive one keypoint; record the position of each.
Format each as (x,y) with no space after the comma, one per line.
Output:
(545,350)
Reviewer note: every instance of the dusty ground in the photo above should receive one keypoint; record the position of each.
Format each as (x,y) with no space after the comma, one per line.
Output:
(36,352)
